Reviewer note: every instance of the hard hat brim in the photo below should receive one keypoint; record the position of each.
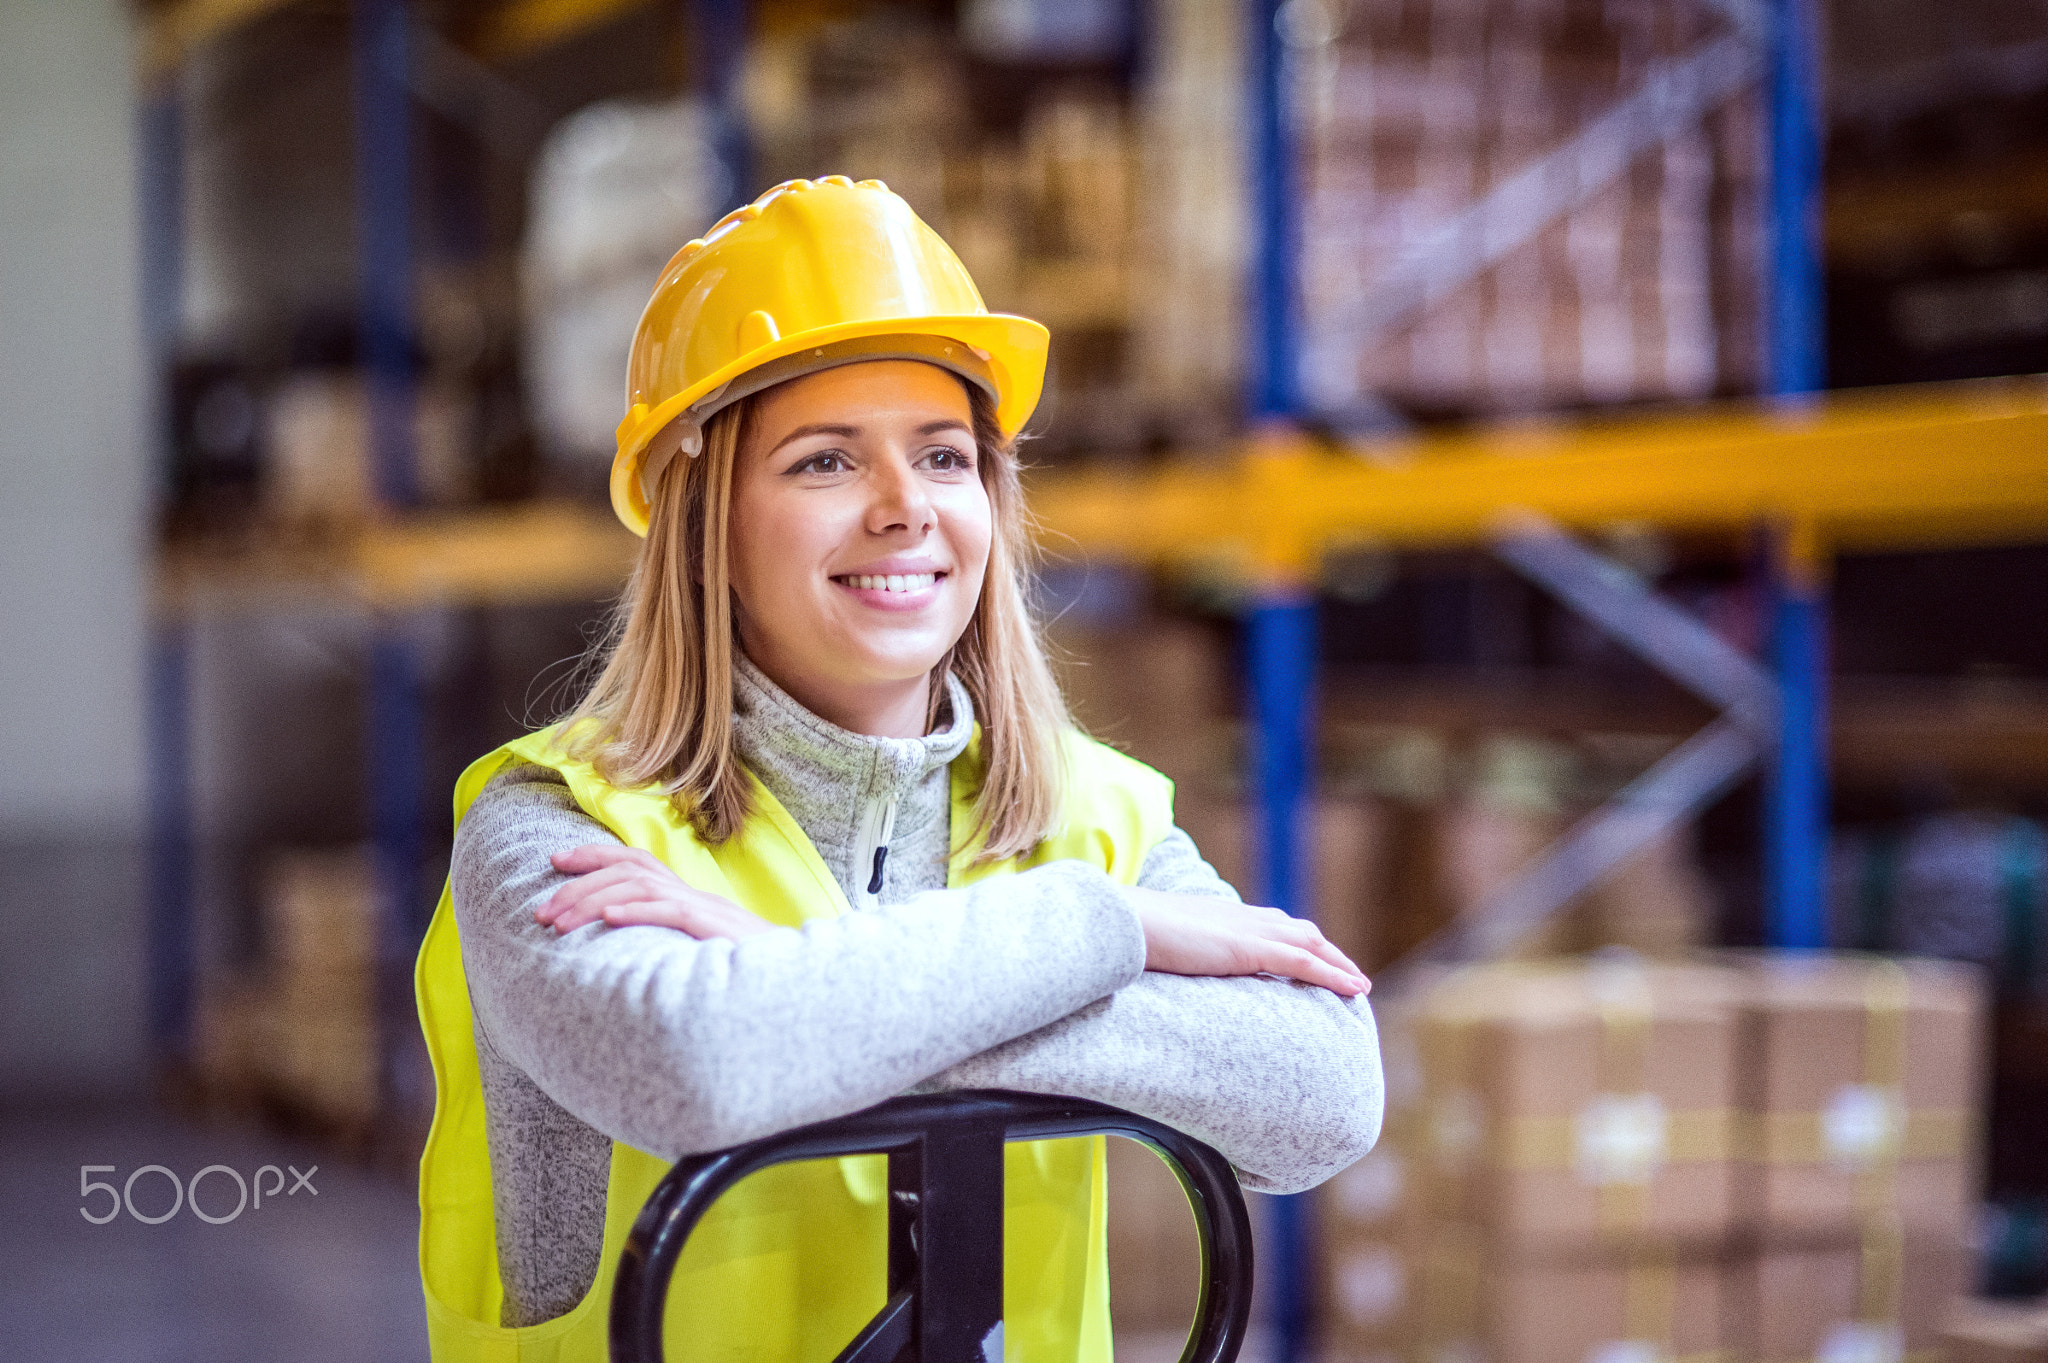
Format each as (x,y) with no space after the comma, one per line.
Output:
(1014,349)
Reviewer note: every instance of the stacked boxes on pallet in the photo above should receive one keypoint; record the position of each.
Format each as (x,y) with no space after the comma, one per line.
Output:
(320,912)
(299,1030)
(1555,1181)
(1861,1087)
(1412,111)
(1749,1158)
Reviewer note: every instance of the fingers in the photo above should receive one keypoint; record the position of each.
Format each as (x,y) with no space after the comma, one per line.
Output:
(623,894)
(593,856)
(630,890)
(569,895)
(1304,934)
(704,917)
(1310,938)
(1298,964)
(1200,935)
(598,864)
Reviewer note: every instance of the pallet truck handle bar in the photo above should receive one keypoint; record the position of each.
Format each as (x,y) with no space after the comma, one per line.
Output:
(900,1126)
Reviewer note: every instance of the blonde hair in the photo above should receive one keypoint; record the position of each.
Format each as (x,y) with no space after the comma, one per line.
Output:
(660,710)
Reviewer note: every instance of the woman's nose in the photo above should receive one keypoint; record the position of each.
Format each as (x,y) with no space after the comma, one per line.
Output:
(900,500)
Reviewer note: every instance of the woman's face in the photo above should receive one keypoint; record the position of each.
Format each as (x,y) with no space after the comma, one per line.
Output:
(860,535)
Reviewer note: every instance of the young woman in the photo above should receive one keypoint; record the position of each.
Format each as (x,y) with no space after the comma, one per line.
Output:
(821,833)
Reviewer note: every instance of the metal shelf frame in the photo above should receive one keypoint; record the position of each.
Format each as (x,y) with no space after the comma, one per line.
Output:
(1282,648)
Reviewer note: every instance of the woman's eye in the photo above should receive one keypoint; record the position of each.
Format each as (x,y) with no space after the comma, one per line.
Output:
(949,459)
(825,461)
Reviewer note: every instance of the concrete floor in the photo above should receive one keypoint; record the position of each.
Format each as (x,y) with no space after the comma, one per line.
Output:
(312,1277)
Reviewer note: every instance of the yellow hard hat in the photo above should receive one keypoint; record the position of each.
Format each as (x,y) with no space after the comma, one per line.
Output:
(814,273)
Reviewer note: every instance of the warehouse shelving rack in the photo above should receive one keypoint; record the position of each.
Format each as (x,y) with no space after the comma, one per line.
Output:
(1821,474)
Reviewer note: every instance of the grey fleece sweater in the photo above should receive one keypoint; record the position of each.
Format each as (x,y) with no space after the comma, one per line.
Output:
(1033,982)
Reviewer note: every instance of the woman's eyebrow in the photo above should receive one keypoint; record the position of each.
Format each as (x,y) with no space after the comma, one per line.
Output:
(817,428)
(845,432)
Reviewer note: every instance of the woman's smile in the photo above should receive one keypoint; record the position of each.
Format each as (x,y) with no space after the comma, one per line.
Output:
(893,589)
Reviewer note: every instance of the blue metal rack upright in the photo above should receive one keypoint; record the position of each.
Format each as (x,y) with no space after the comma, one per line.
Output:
(395,719)
(1281,633)
(1795,835)
(171,966)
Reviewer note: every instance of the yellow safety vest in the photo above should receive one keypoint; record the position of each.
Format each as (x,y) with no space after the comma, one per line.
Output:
(790,1263)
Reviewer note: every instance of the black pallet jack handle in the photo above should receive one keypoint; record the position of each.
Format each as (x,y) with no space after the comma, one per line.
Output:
(945,1299)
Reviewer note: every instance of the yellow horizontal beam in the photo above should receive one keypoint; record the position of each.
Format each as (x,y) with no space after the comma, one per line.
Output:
(524,27)
(171,32)
(1893,468)
(1927,467)
(543,552)
(515,31)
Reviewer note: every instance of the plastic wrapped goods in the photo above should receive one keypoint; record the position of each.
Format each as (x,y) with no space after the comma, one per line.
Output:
(617,189)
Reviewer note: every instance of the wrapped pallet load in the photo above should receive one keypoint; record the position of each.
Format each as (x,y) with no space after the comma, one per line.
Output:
(616,188)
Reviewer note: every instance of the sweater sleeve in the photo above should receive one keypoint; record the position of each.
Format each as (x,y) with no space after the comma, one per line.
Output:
(706,1044)
(1283,1078)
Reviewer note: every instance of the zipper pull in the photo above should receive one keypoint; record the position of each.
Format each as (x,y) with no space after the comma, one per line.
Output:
(882,847)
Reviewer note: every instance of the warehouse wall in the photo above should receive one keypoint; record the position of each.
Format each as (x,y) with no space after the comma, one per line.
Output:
(73,485)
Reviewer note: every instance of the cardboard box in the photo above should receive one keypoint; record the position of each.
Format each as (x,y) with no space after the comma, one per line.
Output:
(1515,805)
(1862,1084)
(1482,847)
(1880,1298)
(1645,289)
(1375,1199)
(324,1067)
(319,911)
(1604,1313)
(1553,1178)
(1369,1304)
(312,1011)
(229,1036)
(1979,1331)
(1418,902)
(1449,1299)
(1383,1197)
(1574,1108)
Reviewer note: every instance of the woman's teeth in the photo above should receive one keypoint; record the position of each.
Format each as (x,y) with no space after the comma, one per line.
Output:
(893,582)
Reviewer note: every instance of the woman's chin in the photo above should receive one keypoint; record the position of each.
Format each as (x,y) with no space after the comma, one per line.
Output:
(891,641)
(895,656)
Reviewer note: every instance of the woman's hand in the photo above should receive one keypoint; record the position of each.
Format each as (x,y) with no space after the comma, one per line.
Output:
(1193,934)
(624,885)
